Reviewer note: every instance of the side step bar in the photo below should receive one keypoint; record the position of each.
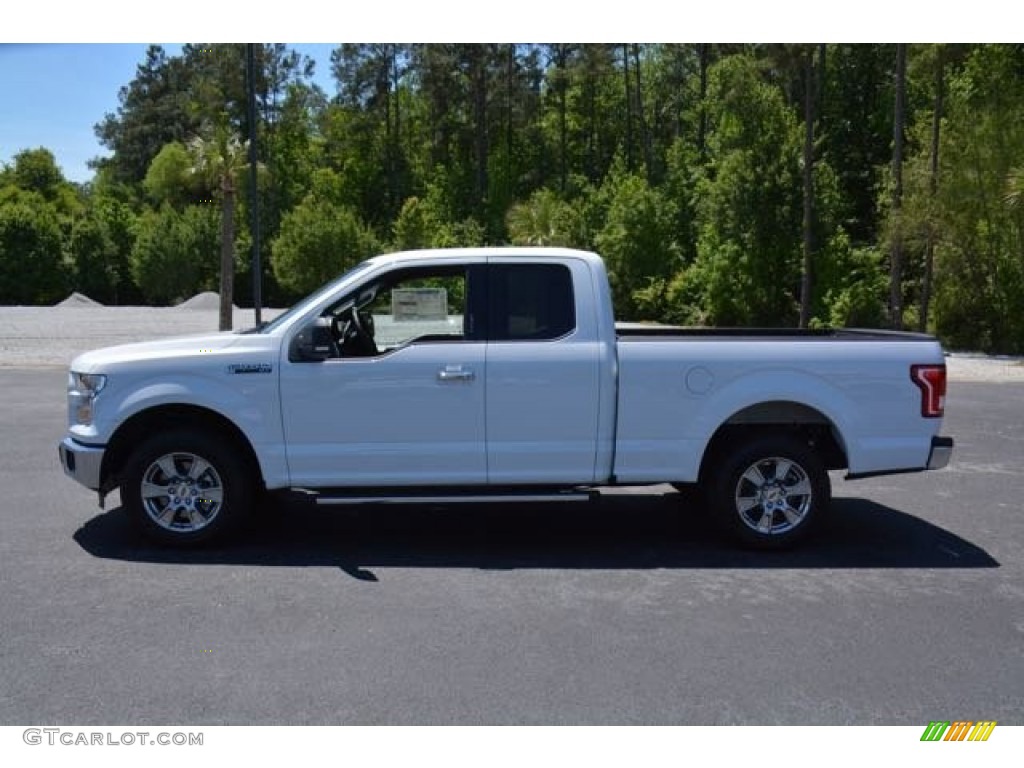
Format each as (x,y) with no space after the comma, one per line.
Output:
(456,498)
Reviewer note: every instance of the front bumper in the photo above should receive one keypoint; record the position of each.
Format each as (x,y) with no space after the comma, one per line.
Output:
(81,462)
(941,452)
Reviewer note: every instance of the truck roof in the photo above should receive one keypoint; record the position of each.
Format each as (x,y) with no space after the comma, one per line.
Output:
(526,251)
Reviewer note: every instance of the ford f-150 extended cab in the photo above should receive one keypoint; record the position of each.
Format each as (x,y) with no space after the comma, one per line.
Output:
(472,375)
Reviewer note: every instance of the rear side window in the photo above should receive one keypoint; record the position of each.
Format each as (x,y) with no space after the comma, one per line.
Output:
(530,302)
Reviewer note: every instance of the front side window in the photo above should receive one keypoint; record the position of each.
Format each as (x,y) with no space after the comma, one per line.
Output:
(530,302)
(405,307)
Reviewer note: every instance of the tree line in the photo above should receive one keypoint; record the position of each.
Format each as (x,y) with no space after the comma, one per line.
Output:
(769,185)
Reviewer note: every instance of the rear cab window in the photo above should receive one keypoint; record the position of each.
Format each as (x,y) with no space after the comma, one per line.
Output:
(530,302)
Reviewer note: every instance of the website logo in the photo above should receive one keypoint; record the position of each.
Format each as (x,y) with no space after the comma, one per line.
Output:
(960,730)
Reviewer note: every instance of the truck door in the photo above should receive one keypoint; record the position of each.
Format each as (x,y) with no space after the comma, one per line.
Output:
(401,402)
(542,375)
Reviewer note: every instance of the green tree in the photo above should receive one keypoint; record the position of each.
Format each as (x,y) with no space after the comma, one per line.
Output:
(35,170)
(116,220)
(93,259)
(857,112)
(413,226)
(318,241)
(369,78)
(153,111)
(32,269)
(174,252)
(170,178)
(636,240)
(979,257)
(750,210)
(220,157)
(545,219)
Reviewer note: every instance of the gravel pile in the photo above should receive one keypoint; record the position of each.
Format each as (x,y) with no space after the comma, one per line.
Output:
(80,300)
(205,300)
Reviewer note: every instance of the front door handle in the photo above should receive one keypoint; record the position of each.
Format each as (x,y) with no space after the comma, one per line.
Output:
(455,374)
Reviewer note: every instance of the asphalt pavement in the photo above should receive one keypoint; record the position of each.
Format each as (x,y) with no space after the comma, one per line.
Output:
(908,607)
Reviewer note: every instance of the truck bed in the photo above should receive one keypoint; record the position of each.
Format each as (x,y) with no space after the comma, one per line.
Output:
(643,332)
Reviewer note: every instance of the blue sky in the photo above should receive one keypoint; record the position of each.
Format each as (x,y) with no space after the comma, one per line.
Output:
(53,95)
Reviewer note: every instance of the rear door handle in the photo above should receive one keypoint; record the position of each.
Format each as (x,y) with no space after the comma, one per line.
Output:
(455,374)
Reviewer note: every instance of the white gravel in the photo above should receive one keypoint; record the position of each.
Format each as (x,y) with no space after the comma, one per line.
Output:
(976,367)
(53,336)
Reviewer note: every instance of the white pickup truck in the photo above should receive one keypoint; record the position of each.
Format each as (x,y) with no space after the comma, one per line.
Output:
(496,374)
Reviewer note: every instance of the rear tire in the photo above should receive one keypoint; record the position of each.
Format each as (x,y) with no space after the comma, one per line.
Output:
(184,488)
(770,492)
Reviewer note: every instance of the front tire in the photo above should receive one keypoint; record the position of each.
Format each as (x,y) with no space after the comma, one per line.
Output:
(770,492)
(183,488)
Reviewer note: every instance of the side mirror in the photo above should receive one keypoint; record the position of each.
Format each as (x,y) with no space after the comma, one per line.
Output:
(313,343)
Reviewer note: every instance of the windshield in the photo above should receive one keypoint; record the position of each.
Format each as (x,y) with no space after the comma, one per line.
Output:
(313,298)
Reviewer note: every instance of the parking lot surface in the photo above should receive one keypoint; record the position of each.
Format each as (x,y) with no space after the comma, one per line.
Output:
(908,607)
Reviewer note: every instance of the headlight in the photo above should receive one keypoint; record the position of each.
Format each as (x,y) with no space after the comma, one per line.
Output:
(86,383)
(82,391)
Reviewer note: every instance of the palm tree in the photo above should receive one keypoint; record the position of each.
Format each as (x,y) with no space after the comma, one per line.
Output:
(538,220)
(218,158)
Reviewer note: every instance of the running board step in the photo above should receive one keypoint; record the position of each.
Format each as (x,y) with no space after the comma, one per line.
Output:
(457,498)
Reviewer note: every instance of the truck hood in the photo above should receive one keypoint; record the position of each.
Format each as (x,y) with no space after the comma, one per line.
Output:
(178,348)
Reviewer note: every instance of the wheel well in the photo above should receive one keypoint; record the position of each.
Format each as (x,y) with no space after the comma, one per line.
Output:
(163,417)
(807,424)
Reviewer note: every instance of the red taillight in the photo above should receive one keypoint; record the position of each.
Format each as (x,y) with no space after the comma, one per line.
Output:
(931,380)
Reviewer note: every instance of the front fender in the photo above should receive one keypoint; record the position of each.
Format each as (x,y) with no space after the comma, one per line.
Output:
(252,405)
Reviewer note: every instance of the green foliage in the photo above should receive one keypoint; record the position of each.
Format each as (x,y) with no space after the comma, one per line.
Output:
(93,260)
(681,164)
(460,234)
(218,156)
(857,120)
(426,223)
(32,269)
(980,258)
(749,210)
(35,170)
(545,219)
(175,253)
(856,288)
(319,240)
(153,111)
(413,227)
(636,241)
(115,222)
(171,178)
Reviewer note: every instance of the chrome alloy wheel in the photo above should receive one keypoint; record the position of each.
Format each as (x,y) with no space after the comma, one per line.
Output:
(182,492)
(773,496)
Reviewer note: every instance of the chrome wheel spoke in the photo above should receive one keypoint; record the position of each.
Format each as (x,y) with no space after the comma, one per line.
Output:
(753,475)
(800,488)
(764,525)
(167,466)
(793,516)
(199,466)
(195,519)
(166,517)
(746,503)
(154,491)
(782,467)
